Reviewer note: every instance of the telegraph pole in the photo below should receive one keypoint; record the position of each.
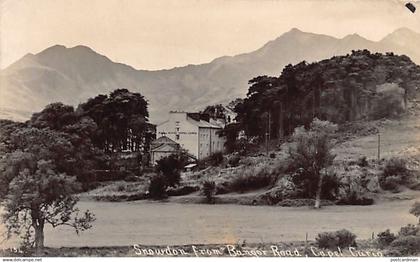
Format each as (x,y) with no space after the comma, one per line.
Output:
(379,145)
(267,133)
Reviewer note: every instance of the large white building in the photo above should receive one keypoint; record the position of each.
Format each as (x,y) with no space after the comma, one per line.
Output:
(199,137)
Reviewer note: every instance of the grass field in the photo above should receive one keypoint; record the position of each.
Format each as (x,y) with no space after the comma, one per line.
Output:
(154,223)
(397,138)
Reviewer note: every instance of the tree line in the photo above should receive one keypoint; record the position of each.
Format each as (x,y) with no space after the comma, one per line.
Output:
(48,159)
(340,89)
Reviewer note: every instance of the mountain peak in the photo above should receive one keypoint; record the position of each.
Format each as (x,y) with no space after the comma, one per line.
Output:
(82,48)
(350,36)
(354,38)
(295,30)
(404,30)
(401,34)
(60,49)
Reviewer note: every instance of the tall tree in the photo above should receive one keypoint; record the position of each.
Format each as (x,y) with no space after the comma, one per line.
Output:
(339,89)
(37,187)
(311,155)
(79,130)
(122,120)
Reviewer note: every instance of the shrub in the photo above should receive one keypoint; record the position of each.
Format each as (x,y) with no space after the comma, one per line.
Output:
(330,186)
(356,201)
(252,179)
(405,246)
(234,160)
(170,167)
(332,240)
(415,210)
(216,158)
(362,162)
(209,189)
(302,202)
(157,187)
(181,191)
(272,155)
(385,238)
(346,238)
(394,174)
(327,240)
(353,194)
(121,188)
(131,178)
(409,230)
(388,102)
(390,183)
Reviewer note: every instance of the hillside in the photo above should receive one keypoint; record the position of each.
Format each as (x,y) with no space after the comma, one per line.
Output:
(358,86)
(71,75)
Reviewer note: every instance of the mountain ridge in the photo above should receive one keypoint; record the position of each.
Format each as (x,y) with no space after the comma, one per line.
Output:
(73,74)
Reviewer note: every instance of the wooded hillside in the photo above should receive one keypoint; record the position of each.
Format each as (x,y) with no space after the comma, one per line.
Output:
(360,85)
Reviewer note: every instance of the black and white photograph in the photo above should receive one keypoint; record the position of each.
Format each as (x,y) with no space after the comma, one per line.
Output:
(209,128)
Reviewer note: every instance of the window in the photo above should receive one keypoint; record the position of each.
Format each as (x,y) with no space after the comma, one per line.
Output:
(177,136)
(177,129)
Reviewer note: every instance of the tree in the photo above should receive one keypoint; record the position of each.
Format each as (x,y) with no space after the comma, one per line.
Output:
(209,189)
(339,89)
(36,186)
(231,132)
(157,187)
(215,111)
(415,210)
(122,121)
(311,155)
(170,167)
(54,116)
(79,130)
(7,127)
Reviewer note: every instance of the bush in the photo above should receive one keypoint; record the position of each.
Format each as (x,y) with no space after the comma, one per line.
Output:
(362,162)
(405,246)
(216,159)
(209,189)
(121,188)
(415,210)
(272,155)
(157,187)
(333,240)
(388,102)
(394,174)
(385,238)
(330,186)
(356,201)
(252,179)
(408,230)
(302,202)
(390,183)
(353,194)
(170,167)
(234,160)
(131,178)
(181,191)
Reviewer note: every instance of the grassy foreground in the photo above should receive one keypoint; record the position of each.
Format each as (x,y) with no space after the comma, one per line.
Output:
(365,248)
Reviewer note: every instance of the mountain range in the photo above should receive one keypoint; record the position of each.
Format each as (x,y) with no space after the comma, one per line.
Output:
(72,75)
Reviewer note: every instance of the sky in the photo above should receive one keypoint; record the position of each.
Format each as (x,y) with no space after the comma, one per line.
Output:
(162,34)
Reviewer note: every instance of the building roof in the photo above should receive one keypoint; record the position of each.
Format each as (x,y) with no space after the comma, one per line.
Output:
(203,123)
(190,165)
(166,148)
(164,140)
